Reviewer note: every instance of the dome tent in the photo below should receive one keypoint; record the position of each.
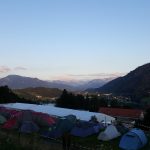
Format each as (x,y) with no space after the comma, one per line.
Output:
(110,133)
(85,128)
(2,119)
(63,125)
(26,123)
(133,140)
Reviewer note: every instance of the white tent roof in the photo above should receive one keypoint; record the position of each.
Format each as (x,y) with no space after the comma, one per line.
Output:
(52,110)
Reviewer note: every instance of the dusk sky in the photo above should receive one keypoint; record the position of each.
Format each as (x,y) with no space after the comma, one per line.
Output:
(73,39)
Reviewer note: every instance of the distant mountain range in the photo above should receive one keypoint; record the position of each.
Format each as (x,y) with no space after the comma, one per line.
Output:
(94,83)
(21,82)
(135,84)
(85,84)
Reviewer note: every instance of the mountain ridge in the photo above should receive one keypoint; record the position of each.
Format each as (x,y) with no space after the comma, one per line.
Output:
(135,84)
(21,82)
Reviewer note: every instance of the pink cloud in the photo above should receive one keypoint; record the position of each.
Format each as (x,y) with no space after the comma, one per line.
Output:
(98,75)
(20,68)
(4,69)
(71,77)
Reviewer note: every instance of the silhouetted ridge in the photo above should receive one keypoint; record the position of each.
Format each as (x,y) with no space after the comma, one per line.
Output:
(135,84)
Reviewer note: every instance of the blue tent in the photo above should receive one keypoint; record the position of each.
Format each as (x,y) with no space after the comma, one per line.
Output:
(133,140)
(84,129)
(28,127)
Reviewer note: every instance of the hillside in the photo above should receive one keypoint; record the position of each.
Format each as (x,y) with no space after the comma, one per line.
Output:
(20,82)
(135,84)
(38,93)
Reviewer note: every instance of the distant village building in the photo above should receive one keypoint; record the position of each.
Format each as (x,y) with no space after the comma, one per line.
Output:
(38,96)
(119,113)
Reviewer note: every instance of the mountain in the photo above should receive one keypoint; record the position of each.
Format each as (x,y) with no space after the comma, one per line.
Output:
(73,83)
(135,84)
(94,83)
(85,84)
(38,93)
(20,82)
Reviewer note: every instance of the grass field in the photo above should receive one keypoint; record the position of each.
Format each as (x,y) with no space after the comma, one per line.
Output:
(14,141)
(101,145)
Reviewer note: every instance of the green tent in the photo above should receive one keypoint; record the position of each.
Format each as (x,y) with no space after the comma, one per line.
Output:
(2,119)
(64,125)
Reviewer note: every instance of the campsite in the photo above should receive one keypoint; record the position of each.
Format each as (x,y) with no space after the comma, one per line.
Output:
(75,75)
(29,129)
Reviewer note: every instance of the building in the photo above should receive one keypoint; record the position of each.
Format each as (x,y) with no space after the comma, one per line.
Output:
(120,113)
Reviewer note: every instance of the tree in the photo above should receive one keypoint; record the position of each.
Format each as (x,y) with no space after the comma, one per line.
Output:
(147,117)
(69,100)
(7,96)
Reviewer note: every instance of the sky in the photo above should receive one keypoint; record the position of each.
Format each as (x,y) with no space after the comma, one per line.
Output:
(73,39)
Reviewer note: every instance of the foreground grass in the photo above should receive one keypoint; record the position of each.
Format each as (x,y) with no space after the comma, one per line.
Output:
(14,141)
(92,142)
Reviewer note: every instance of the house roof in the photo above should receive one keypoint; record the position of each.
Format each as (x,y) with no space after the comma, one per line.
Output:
(119,112)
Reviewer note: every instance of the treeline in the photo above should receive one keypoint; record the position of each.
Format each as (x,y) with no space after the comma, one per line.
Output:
(146,120)
(69,100)
(91,103)
(7,96)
